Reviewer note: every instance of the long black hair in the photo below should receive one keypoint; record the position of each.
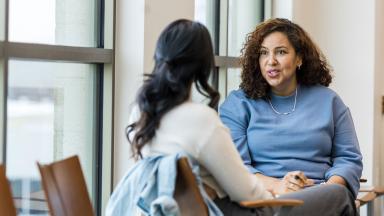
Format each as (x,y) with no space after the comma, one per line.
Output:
(183,55)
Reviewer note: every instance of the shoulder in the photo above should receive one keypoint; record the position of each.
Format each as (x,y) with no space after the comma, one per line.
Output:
(324,95)
(236,95)
(194,112)
(237,103)
(191,124)
(235,100)
(320,91)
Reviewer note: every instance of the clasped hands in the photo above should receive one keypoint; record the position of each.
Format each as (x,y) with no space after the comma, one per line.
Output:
(292,181)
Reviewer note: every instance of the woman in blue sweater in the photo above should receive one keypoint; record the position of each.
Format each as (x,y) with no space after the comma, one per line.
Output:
(290,129)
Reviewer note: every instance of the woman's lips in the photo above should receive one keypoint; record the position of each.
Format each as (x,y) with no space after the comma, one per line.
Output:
(272,73)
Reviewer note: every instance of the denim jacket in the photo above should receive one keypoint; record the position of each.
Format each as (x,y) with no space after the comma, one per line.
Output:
(150,185)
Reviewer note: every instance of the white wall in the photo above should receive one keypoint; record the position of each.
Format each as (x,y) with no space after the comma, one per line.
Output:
(158,14)
(129,65)
(282,8)
(378,94)
(138,25)
(2,19)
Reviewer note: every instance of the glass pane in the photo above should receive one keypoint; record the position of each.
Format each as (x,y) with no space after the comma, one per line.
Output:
(2,19)
(205,13)
(233,79)
(242,18)
(61,22)
(50,116)
(2,101)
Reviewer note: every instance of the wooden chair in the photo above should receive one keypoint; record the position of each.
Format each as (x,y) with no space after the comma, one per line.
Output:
(191,202)
(65,188)
(187,193)
(7,207)
(367,195)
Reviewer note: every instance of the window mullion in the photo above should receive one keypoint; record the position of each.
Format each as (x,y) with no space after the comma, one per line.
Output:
(58,53)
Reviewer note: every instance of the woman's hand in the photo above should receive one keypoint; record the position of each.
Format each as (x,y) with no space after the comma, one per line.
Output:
(292,181)
(336,180)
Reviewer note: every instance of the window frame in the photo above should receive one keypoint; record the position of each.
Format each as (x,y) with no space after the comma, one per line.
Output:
(103,57)
(223,61)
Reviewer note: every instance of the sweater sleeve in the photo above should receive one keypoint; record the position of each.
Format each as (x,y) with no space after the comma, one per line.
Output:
(220,157)
(346,155)
(234,115)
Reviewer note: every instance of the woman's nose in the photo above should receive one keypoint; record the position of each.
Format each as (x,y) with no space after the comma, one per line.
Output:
(271,60)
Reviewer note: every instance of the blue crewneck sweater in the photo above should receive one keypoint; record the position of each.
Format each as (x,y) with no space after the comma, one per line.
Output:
(318,138)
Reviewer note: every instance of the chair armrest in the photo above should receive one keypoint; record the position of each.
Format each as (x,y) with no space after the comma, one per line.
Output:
(366,197)
(379,190)
(368,194)
(363,180)
(271,203)
(376,189)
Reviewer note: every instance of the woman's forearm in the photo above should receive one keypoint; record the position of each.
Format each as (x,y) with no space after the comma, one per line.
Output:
(268,182)
(336,180)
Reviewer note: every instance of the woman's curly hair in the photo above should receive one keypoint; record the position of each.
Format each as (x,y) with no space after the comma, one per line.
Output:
(314,69)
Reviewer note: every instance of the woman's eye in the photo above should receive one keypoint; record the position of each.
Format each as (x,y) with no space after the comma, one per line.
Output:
(281,52)
(263,52)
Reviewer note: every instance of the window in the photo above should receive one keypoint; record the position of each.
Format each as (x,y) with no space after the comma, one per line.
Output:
(206,12)
(2,22)
(229,23)
(64,22)
(56,64)
(242,19)
(51,111)
(2,66)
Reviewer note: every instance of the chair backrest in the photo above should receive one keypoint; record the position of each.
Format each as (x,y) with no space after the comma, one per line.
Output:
(187,193)
(7,207)
(65,188)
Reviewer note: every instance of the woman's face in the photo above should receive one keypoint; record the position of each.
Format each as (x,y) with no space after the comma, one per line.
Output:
(278,62)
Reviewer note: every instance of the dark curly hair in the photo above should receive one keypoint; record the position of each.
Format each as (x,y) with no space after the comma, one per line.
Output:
(314,69)
(183,56)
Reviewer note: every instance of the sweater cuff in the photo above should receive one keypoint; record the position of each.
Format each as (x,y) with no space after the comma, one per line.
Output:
(353,184)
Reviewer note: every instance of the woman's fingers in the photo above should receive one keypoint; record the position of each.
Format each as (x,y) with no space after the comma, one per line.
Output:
(293,181)
(296,179)
(293,187)
(309,182)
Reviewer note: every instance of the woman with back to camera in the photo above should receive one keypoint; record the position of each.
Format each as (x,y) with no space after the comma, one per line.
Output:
(167,121)
(290,129)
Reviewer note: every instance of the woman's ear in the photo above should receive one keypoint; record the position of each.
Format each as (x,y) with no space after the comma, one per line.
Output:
(299,62)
